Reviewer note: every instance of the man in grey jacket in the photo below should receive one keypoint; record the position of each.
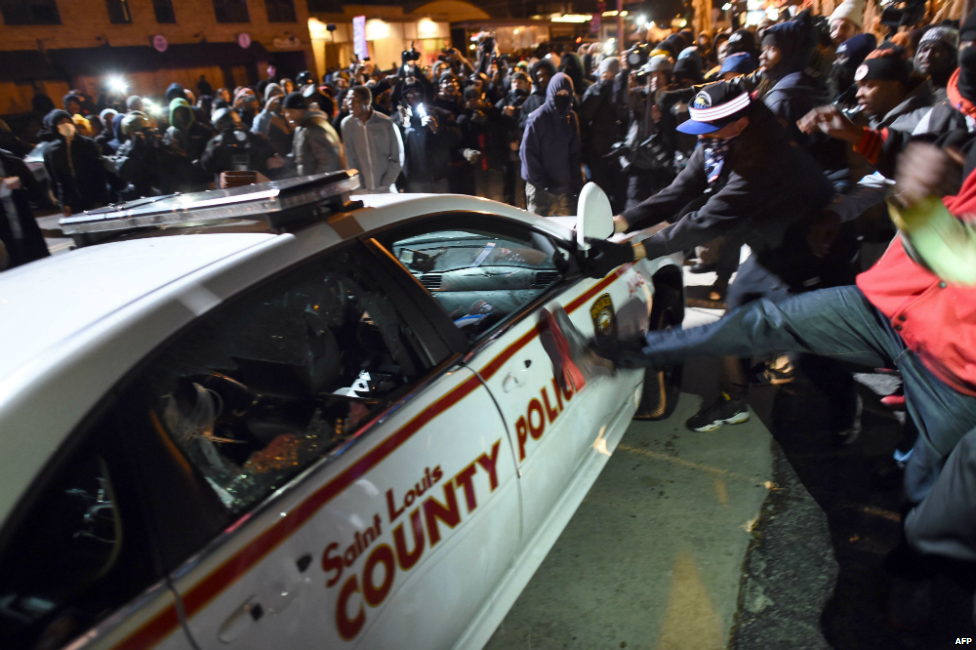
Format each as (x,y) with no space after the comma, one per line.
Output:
(317,148)
(373,144)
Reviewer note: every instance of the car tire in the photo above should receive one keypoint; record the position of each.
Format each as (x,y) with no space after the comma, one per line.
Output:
(662,388)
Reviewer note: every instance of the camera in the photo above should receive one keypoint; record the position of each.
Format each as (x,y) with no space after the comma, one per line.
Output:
(410,55)
(637,55)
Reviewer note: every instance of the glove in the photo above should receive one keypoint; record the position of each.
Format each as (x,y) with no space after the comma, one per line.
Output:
(605,256)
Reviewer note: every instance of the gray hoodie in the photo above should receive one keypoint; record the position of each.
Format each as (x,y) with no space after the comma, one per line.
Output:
(375,149)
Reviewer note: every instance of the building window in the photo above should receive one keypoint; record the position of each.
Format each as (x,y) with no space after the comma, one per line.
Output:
(281,11)
(118,11)
(30,12)
(231,11)
(164,11)
(325,6)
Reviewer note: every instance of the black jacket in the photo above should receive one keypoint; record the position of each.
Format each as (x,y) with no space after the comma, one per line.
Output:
(20,233)
(82,182)
(598,120)
(427,155)
(769,192)
(237,150)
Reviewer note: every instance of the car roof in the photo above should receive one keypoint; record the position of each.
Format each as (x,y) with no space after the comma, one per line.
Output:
(50,300)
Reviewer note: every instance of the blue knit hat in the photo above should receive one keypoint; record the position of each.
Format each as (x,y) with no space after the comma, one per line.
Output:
(856,48)
(741,63)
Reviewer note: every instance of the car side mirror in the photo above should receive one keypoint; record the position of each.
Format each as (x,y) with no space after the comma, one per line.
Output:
(595,219)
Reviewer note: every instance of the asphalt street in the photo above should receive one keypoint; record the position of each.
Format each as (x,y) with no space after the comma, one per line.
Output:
(760,536)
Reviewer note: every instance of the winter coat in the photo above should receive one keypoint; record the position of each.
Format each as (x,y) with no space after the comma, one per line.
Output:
(147,167)
(790,99)
(427,156)
(551,154)
(572,67)
(237,150)
(192,141)
(317,148)
(907,115)
(19,232)
(185,147)
(375,149)
(767,194)
(76,169)
(281,139)
(598,119)
(511,124)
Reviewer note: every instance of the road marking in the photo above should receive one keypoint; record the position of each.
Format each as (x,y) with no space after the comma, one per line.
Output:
(690,620)
(769,485)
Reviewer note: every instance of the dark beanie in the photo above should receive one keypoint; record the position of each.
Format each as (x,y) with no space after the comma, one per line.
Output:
(294,100)
(687,68)
(884,65)
(742,41)
(857,48)
(175,91)
(967,31)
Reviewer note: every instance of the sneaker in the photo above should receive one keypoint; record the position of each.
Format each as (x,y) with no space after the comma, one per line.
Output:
(851,433)
(723,410)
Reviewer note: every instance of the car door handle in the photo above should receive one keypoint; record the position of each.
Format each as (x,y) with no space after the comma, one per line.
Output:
(511,382)
(240,621)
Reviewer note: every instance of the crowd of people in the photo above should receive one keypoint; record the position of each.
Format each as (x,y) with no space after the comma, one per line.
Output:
(787,138)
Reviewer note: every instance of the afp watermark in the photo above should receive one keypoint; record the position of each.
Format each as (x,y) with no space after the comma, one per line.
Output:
(963,640)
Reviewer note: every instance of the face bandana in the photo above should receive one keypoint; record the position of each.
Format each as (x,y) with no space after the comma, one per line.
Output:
(716,149)
(563,103)
(67,130)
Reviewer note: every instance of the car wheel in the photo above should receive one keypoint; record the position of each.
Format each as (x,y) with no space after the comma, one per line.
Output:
(662,388)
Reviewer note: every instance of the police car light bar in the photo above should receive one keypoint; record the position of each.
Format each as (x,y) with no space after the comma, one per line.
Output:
(281,203)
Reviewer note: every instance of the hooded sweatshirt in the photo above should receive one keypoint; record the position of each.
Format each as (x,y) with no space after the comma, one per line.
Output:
(794,93)
(75,169)
(191,140)
(538,95)
(572,65)
(550,150)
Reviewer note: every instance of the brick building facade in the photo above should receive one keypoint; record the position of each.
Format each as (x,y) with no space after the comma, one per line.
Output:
(53,45)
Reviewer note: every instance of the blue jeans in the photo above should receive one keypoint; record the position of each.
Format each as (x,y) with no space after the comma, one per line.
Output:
(838,324)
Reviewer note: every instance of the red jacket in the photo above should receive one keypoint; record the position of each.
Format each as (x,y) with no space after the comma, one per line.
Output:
(937,320)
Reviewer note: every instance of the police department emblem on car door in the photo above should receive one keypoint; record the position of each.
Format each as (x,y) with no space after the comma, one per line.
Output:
(604,318)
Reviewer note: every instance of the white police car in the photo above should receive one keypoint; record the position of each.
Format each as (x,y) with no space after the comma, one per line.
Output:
(273,418)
